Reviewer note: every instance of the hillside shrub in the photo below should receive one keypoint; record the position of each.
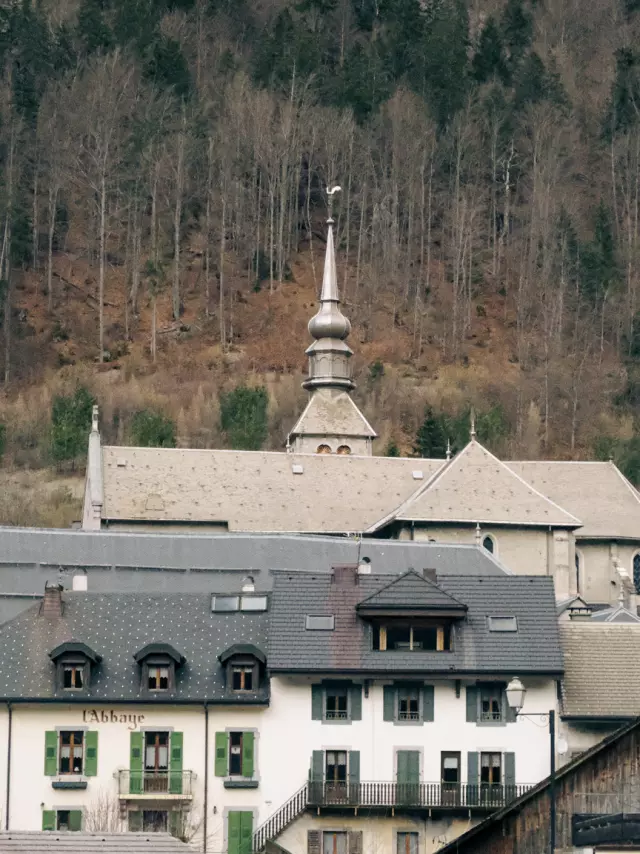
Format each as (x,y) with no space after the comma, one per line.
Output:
(70,424)
(151,429)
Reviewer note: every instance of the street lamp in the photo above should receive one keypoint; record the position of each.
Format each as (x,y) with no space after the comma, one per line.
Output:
(515,698)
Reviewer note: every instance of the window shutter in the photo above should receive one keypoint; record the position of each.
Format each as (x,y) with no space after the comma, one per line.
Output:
(473,778)
(48,819)
(135,765)
(50,753)
(354,767)
(175,823)
(246,832)
(222,754)
(355,842)
(314,842)
(175,763)
(510,773)
(356,702)
(472,704)
(135,821)
(75,819)
(91,753)
(428,703)
(234,819)
(389,702)
(317,766)
(248,741)
(316,702)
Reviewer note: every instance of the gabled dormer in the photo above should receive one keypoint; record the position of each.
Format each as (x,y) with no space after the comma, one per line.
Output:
(158,665)
(74,662)
(411,614)
(245,669)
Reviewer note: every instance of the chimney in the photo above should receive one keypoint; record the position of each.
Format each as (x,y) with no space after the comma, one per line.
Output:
(430,574)
(80,582)
(364,567)
(52,603)
(345,575)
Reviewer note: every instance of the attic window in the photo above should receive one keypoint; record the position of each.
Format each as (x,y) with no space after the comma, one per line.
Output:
(318,622)
(253,603)
(225,603)
(503,624)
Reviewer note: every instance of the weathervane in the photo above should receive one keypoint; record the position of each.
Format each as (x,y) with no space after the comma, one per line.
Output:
(330,195)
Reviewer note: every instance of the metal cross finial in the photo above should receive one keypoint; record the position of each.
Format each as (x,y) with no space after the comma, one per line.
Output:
(448,449)
(330,194)
(473,424)
(478,533)
(94,419)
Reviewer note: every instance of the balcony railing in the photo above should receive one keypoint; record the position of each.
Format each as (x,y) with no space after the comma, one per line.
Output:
(155,785)
(427,795)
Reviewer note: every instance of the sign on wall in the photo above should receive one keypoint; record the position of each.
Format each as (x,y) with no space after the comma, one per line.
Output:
(110,716)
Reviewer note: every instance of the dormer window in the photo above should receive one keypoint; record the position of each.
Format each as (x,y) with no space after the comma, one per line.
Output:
(158,663)
(73,662)
(411,637)
(244,665)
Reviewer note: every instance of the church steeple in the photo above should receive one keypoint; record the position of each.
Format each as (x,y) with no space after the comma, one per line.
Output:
(331,422)
(329,354)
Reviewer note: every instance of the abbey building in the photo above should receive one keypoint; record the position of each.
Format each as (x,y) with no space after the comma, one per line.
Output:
(578,522)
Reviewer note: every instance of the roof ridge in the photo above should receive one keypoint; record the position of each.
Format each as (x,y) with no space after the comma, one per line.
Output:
(446,464)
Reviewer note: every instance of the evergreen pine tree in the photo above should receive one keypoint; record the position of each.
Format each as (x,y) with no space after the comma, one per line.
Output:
(431,438)
(489,59)
(93,31)
(516,25)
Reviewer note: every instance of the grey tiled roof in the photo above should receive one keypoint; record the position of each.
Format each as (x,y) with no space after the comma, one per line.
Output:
(602,669)
(534,648)
(116,626)
(27,842)
(410,590)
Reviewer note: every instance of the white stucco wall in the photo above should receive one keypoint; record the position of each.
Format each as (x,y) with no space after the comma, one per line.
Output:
(285,739)
(581,736)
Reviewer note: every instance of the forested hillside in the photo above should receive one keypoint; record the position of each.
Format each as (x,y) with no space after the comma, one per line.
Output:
(164,166)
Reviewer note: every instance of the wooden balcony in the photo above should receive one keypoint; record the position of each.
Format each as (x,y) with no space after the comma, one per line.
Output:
(155,785)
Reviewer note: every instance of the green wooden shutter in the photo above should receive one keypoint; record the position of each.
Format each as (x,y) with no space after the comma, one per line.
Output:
(246,832)
(135,821)
(75,819)
(175,763)
(317,765)
(473,778)
(234,819)
(354,767)
(135,765)
(48,819)
(176,824)
(317,693)
(222,754)
(355,692)
(510,775)
(248,745)
(428,703)
(50,753)
(388,702)
(472,704)
(91,753)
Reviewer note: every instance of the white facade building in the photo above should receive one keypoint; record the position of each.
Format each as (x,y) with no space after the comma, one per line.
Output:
(337,715)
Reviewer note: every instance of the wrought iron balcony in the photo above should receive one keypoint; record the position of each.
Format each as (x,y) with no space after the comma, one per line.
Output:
(155,785)
(447,796)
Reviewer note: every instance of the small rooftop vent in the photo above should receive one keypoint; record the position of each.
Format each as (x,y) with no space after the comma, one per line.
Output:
(417,474)
(319,622)
(503,624)
(121,462)
(248,585)
(297,468)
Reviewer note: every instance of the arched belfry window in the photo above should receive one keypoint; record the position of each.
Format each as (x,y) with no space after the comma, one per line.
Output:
(343,449)
(323,449)
(489,544)
(636,571)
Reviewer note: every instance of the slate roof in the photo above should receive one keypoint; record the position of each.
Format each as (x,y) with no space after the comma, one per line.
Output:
(116,626)
(602,669)
(410,591)
(534,648)
(333,414)
(597,493)
(49,842)
(619,614)
(256,490)
(477,487)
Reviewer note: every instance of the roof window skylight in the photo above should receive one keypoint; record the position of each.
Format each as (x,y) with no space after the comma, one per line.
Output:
(253,603)
(225,603)
(320,622)
(503,624)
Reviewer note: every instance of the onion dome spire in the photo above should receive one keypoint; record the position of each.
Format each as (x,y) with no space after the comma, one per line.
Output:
(329,322)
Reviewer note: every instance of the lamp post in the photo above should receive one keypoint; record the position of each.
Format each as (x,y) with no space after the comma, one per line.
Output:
(515,698)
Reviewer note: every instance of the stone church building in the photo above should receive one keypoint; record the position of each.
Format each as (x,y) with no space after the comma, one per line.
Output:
(576,521)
